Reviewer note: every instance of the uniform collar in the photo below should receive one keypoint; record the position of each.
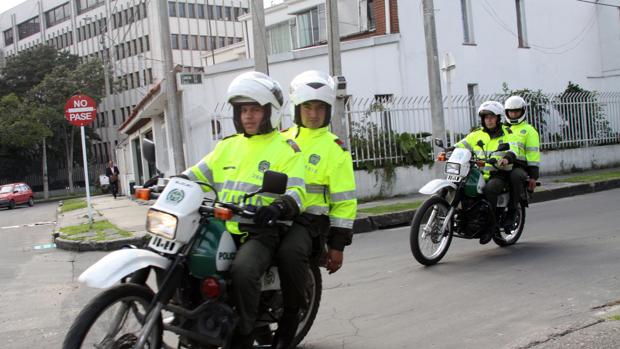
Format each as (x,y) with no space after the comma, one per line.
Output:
(311,132)
(260,138)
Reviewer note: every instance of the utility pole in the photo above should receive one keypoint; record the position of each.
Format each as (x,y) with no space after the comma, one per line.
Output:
(173,122)
(338,125)
(434,80)
(260,44)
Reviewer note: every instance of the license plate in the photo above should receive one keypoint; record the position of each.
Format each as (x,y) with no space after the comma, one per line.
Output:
(454,178)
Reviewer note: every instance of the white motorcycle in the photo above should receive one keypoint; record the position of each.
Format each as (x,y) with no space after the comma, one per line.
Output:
(458,208)
(190,253)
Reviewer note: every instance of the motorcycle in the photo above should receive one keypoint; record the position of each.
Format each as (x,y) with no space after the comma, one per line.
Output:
(189,256)
(458,208)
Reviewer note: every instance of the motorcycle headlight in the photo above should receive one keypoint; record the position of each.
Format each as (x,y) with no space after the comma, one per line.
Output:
(161,223)
(453,168)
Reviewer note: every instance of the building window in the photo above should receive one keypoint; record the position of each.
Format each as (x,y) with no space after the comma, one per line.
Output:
(311,28)
(279,38)
(8,37)
(468,23)
(227,13)
(218,12)
(57,15)
(182,9)
(184,41)
(202,43)
(370,10)
(174,41)
(85,5)
(201,11)
(29,27)
(172,9)
(114,117)
(521,28)
(191,10)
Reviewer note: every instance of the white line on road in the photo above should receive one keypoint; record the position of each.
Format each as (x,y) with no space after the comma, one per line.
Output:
(28,225)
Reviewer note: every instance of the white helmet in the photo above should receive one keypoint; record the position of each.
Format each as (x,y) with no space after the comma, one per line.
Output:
(256,87)
(515,103)
(492,107)
(312,85)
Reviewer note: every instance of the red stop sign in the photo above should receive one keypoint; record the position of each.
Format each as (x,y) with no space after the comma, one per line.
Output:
(80,110)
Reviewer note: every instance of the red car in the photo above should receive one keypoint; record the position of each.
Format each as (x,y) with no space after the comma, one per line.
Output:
(16,194)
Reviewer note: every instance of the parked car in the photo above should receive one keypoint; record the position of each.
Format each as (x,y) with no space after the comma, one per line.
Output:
(16,194)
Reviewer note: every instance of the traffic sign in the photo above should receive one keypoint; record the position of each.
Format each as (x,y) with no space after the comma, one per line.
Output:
(80,110)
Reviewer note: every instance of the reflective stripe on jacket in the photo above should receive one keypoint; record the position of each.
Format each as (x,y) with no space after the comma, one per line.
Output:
(237,164)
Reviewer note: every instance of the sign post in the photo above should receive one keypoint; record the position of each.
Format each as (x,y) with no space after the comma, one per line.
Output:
(81,110)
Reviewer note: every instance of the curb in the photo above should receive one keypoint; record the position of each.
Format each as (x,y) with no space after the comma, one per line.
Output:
(367,224)
(82,246)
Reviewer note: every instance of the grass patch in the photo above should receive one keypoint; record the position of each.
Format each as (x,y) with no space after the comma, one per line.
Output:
(73,204)
(615,318)
(403,206)
(100,231)
(592,178)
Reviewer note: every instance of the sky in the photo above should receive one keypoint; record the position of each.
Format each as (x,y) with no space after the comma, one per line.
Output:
(7,4)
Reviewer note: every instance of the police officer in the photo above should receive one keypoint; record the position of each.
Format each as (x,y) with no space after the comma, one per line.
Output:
(490,136)
(528,155)
(236,167)
(330,202)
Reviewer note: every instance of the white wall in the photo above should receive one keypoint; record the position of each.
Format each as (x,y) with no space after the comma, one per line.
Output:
(562,161)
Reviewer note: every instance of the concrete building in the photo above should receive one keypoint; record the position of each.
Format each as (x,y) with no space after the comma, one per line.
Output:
(124,34)
(526,44)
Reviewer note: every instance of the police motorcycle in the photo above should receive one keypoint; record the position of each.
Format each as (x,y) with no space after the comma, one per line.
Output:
(189,255)
(458,208)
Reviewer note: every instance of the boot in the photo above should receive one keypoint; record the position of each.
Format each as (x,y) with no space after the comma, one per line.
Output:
(287,327)
(487,236)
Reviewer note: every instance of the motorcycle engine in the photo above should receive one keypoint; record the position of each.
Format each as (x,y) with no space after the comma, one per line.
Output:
(474,218)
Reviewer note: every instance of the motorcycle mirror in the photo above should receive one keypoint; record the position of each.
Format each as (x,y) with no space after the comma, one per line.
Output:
(439,142)
(503,146)
(148,150)
(274,182)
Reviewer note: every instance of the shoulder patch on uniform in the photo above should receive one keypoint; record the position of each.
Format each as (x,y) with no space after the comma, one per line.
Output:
(341,144)
(293,145)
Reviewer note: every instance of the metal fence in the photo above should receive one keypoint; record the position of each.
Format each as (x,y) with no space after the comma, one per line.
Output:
(59,179)
(389,129)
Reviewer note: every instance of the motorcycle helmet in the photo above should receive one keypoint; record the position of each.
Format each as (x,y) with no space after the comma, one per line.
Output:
(255,87)
(312,85)
(515,103)
(491,107)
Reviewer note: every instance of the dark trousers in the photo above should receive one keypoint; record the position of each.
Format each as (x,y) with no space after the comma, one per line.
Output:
(493,189)
(251,261)
(114,188)
(292,259)
(518,176)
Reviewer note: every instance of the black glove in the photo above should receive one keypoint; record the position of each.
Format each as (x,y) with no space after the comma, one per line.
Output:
(268,215)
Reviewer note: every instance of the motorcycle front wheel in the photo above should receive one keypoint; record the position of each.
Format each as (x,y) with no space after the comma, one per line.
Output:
(428,245)
(114,319)
(510,235)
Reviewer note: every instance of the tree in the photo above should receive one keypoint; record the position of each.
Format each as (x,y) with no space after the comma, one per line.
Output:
(37,83)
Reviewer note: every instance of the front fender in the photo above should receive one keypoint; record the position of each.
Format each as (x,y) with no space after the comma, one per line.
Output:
(436,185)
(118,264)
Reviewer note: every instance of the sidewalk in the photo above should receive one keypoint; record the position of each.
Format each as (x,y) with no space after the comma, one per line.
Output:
(130,214)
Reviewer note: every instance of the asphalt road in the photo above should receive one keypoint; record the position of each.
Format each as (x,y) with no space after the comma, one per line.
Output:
(566,263)
(539,293)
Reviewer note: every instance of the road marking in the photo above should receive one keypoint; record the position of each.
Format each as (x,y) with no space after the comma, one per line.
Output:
(28,225)
(44,246)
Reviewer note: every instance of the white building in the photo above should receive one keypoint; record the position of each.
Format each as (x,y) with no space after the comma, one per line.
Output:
(524,43)
(125,35)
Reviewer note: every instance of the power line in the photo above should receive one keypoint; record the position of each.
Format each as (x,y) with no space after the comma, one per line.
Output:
(600,3)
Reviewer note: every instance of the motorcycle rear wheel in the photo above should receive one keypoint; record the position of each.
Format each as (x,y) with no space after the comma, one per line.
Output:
(505,238)
(427,246)
(113,319)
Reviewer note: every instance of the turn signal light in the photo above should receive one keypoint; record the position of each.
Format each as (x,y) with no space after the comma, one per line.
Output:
(223,213)
(211,287)
(441,156)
